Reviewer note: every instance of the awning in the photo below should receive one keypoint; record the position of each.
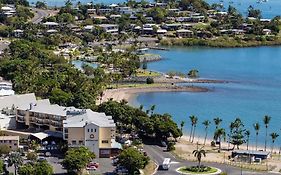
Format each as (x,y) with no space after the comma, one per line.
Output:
(40,135)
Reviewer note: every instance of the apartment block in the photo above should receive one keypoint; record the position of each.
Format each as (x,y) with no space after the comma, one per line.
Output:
(11,141)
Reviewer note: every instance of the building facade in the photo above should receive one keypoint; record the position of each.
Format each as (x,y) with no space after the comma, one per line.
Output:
(11,141)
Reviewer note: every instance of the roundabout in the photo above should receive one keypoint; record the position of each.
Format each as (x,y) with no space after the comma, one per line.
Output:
(194,170)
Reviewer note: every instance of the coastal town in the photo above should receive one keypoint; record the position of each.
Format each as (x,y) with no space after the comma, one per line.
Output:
(70,76)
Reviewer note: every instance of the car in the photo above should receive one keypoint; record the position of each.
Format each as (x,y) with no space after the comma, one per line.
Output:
(41,159)
(120,170)
(163,144)
(91,164)
(47,154)
(91,168)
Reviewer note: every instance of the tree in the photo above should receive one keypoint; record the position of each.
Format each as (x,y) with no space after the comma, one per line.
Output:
(193,73)
(77,158)
(4,150)
(266,121)
(219,133)
(31,156)
(198,153)
(206,123)
(182,125)
(132,160)
(217,122)
(237,136)
(26,169)
(1,166)
(149,80)
(152,108)
(39,168)
(193,120)
(43,168)
(256,13)
(247,134)
(16,160)
(257,128)
(274,136)
(40,5)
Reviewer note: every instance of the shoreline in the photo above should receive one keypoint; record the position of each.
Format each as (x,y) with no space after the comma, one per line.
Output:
(129,93)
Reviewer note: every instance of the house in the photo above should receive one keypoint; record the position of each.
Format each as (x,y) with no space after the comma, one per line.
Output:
(105,10)
(265,21)
(51,25)
(11,141)
(91,11)
(161,32)
(110,28)
(262,155)
(114,16)
(148,29)
(124,10)
(6,88)
(183,19)
(266,31)
(183,33)
(172,27)
(88,28)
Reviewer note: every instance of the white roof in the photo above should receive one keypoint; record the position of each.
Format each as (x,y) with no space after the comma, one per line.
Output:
(40,135)
(50,24)
(5,8)
(89,27)
(4,92)
(99,119)
(17,100)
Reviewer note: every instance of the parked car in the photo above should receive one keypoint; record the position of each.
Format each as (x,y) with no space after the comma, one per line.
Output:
(120,170)
(91,164)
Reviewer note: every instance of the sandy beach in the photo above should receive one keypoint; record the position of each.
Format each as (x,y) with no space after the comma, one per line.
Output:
(129,93)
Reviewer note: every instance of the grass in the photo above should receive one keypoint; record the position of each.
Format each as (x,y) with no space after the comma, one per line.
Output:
(147,73)
(184,170)
(150,168)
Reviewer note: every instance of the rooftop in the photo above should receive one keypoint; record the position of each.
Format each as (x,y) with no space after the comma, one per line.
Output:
(9,137)
(99,119)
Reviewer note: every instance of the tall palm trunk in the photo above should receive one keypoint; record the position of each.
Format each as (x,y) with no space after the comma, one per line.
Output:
(256,142)
(205,136)
(191,133)
(220,144)
(272,147)
(265,143)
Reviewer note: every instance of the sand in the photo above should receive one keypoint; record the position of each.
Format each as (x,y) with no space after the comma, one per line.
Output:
(129,93)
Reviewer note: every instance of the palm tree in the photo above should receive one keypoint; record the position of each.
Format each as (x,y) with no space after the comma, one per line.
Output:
(217,121)
(198,153)
(152,109)
(192,117)
(247,134)
(217,136)
(257,128)
(194,127)
(266,121)
(182,125)
(16,160)
(274,136)
(206,123)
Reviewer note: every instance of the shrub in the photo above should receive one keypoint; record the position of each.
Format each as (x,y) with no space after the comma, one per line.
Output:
(213,143)
(31,156)
(149,80)
(171,146)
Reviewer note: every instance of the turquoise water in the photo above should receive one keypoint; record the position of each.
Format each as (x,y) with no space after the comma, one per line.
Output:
(78,64)
(269,9)
(254,91)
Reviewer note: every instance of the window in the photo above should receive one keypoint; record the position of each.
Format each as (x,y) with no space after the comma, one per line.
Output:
(65,130)
(104,141)
(88,130)
(66,136)
(73,142)
(91,130)
(95,130)
(80,142)
(15,144)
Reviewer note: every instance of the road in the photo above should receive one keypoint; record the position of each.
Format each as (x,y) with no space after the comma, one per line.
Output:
(158,154)
(40,14)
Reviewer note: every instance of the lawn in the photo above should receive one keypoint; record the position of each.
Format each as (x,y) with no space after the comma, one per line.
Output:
(147,73)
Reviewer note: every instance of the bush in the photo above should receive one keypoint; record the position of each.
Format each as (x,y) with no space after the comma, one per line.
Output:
(171,146)
(31,156)
(197,169)
(149,80)
(213,143)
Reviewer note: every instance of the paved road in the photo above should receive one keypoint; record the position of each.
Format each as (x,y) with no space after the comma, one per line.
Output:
(39,14)
(158,154)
